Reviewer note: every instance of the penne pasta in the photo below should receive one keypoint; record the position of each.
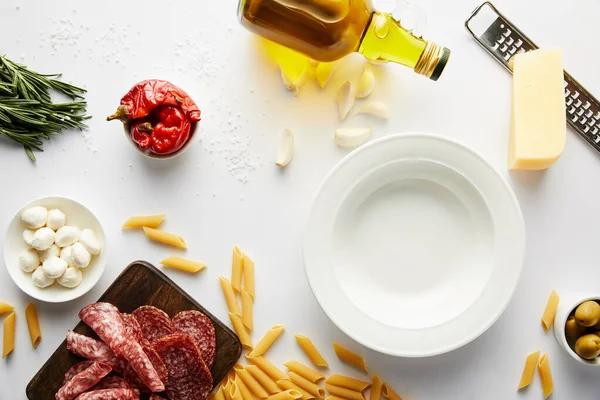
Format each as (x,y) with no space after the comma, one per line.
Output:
(349,357)
(8,343)
(245,392)
(550,311)
(165,237)
(248,271)
(5,307)
(311,351)
(230,297)
(348,383)
(33,325)
(545,376)
(267,367)
(389,393)
(247,318)
(150,221)
(236,269)
(250,382)
(287,395)
(218,395)
(376,387)
(286,384)
(265,380)
(529,370)
(304,371)
(183,264)
(241,331)
(234,392)
(263,345)
(307,385)
(332,397)
(226,386)
(343,392)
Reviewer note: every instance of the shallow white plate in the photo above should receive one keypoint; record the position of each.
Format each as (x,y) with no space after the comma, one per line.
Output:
(414,245)
(77,215)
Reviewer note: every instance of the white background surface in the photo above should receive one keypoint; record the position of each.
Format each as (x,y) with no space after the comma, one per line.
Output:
(109,45)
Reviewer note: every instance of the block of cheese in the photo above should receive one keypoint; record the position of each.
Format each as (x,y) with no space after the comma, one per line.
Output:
(538,116)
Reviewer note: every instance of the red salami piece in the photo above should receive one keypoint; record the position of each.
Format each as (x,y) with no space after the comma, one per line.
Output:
(140,362)
(132,377)
(155,323)
(75,369)
(133,327)
(156,397)
(83,381)
(202,331)
(111,382)
(105,319)
(189,378)
(109,394)
(91,349)
(157,362)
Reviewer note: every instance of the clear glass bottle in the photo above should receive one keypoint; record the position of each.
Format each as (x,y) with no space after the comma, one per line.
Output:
(327,30)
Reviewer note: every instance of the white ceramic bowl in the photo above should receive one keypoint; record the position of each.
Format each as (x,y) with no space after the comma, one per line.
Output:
(567,305)
(414,245)
(77,215)
(154,156)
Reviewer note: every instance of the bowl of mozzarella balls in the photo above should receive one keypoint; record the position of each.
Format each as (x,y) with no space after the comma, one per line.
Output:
(54,249)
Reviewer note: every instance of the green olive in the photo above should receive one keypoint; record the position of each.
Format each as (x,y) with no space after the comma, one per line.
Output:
(588,346)
(573,330)
(588,313)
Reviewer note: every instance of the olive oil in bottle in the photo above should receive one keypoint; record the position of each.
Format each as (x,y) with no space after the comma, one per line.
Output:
(327,30)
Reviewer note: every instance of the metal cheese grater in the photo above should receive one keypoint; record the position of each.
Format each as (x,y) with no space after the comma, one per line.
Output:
(502,40)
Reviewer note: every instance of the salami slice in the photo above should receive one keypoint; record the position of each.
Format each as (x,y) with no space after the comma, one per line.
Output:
(132,377)
(156,397)
(189,378)
(132,327)
(157,362)
(155,323)
(105,319)
(111,382)
(109,394)
(202,331)
(83,381)
(75,369)
(139,361)
(91,349)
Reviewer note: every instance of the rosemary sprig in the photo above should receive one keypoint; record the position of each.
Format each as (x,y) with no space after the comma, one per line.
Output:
(27,113)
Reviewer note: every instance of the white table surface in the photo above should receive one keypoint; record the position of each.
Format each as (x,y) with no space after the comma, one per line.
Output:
(226,189)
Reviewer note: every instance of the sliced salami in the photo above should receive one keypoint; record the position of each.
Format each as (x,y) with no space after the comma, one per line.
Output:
(202,331)
(83,381)
(133,327)
(105,319)
(155,323)
(156,397)
(112,382)
(189,377)
(75,369)
(139,361)
(157,362)
(109,394)
(132,377)
(92,349)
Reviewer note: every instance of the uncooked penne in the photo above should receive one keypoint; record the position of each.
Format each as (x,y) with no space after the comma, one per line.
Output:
(550,311)
(183,264)
(33,325)
(5,307)
(529,370)
(263,345)
(226,387)
(348,383)
(237,265)
(332,397)
(248,275)
(150,221)
(389,393)
(290,394)
(307,385)
(344,393)
(267,367)
(304,371)
(230,297)
(165,237)
(265,380)
(349,357)
(247,318)
(245,392)
(241,331)
(218,395)
(311,351)
(545,376)
(234,392)
(286,384)
(8,343)
(250,381)
(376,387)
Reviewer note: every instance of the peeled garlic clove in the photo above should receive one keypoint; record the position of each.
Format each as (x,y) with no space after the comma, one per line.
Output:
(345,99)
(324,71)
(285,150)
(347,137)
(293,76)
(366,83)
(375,108)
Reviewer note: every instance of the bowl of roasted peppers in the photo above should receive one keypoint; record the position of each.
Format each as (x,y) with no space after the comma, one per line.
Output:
(159,118)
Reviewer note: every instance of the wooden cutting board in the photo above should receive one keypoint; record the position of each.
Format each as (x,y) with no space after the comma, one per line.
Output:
(139,284)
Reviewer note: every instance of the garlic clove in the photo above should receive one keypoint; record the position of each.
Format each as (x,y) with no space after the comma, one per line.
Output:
(345,99)
(324,71)
(375,108)
(293,76)
(285,149)
(351,137)
(366,83)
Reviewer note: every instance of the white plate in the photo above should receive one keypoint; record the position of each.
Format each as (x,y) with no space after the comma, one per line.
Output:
(77,215)
(414,245)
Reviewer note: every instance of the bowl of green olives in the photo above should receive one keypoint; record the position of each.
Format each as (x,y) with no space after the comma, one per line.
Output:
(577,329)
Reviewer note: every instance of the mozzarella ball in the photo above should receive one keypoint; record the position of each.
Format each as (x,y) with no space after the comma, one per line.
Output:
(80,256)
(28,236)
(29,260)
(54,267)
(65,254)
(53,251)
(67,235)
(34,217)
(40,279)
(43,238)
(71,278)
(89,240)
(56,219)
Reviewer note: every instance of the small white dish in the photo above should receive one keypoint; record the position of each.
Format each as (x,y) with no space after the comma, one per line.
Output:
(566,306)
(77,215)
(414,245)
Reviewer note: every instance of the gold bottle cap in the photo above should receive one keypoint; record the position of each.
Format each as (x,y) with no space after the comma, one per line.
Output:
(433,60)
